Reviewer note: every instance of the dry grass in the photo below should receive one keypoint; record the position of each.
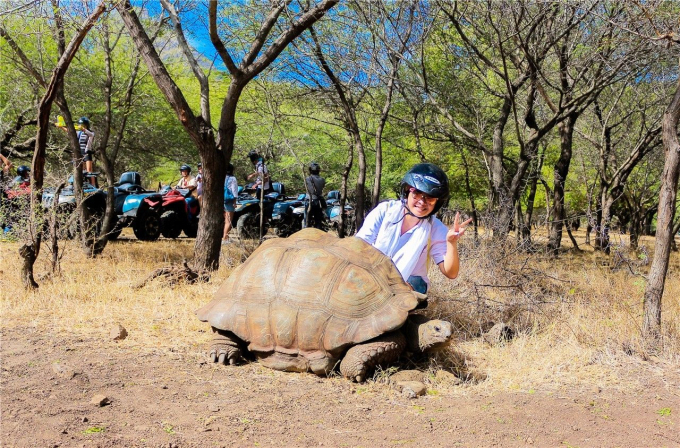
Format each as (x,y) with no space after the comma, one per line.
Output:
(578,320)
(578,317)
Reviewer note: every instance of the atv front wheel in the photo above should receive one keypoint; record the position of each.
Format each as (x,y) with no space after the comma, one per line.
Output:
(248,226)
(147,227)
(170,225)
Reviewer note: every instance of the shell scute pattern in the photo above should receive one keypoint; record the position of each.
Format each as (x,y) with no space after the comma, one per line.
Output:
(311,293)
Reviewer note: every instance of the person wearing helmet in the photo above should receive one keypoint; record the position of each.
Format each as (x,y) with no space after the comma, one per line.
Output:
(85,139)
(261,173)
(187,181)
(407,230)
(23,178)
(315,184)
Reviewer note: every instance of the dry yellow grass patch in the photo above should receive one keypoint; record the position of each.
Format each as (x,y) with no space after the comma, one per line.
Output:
(578,321)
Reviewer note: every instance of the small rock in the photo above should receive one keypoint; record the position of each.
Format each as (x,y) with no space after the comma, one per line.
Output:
(85,420)
(213,408)
(447,377)
(63,370)
(100,400)
(411,389)
(408,393)
(118,333)
(164,387)
(407,375)
(499,333)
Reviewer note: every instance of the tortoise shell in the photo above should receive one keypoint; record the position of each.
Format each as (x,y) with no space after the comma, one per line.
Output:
(311,294)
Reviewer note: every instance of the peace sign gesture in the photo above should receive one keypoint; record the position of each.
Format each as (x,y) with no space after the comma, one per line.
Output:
(457,230)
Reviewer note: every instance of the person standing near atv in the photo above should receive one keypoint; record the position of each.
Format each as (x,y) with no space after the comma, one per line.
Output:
(230,196)
(199,183)
(4,172)
(317,204)
(85,139)
(187,181)
(23,179)
(262,182)
(408,231)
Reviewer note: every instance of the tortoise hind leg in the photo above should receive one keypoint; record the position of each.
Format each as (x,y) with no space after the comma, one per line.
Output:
(363,358)
(224,347)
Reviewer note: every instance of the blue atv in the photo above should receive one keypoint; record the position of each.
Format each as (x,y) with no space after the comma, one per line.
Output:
(139,211)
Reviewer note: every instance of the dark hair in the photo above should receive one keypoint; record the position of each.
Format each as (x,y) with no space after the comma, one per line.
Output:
(314,168)
(253,156)
(230,169)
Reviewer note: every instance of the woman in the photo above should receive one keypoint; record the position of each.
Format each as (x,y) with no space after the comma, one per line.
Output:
(408,232)
(230,196)
(85,139)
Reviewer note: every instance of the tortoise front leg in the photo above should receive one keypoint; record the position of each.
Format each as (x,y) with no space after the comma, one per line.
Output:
(224,347)
(363,358)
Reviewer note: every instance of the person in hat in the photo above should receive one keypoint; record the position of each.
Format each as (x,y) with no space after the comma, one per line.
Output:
(85,139)
(187,181)
(262,181)
(315,185)
(407,230)
(23,178)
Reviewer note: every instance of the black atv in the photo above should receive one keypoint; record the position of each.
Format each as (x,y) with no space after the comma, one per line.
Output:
(247,213)
(284,220)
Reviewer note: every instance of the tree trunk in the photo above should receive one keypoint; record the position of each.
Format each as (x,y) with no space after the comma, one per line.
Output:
(560,173)
(54,237)
(501,201)
(30,252)
(361,176)
(343,190)
(211,225)
(533,185)
(664,222)
(471,196)
(676,229)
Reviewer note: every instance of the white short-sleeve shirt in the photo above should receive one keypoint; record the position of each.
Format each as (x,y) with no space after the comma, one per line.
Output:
(369,233)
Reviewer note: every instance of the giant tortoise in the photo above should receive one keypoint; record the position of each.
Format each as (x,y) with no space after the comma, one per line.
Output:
(306,302)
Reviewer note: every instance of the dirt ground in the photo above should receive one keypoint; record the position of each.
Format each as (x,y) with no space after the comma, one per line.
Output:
(175,398)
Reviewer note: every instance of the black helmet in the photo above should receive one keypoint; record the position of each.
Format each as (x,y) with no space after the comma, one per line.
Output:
(23,170)
(253,156)
(428,178)
(230,169)
(184,168)
(84,121)
(314,168)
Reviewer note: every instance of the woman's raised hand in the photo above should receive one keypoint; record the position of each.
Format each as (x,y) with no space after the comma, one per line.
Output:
(457,230)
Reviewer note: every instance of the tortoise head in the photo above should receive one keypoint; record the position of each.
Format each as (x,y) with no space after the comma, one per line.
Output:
(424,335)
(434,335)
